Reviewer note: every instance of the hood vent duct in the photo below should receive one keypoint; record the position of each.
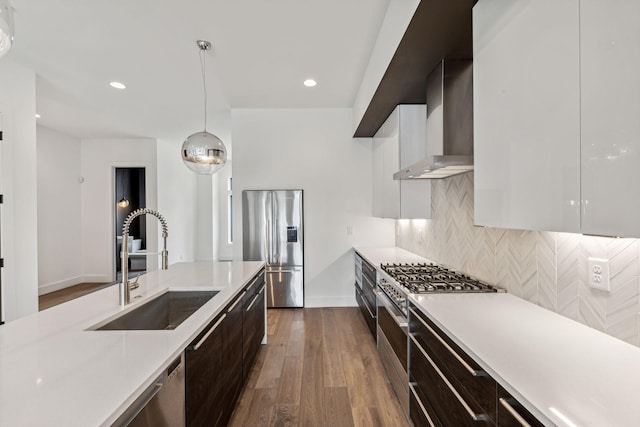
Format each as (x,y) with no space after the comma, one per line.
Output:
(449,123)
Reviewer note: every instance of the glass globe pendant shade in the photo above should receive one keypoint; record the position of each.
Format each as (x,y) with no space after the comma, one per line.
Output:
(123,203)
(7,30)
(204,153)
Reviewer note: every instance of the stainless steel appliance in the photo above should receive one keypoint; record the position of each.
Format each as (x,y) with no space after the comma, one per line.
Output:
(395,282)
(272,231)
(162,403)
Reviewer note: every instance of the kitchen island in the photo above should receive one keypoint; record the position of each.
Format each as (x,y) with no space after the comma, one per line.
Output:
(54,371)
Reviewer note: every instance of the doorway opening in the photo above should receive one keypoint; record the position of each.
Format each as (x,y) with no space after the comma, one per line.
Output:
(129,196)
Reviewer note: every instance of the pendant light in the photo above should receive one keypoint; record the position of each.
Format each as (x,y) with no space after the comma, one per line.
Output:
(124,202)
(7,30)
(203,152)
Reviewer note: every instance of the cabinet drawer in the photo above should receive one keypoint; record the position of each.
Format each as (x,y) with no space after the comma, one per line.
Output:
(512,414)
(452,405)
(420,412)
(463,370)
(368,315)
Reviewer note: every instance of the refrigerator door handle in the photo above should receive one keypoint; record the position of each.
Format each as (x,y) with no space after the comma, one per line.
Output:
(285,270)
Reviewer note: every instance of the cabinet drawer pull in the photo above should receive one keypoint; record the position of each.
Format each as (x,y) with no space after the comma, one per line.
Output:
(514,413)
(366,305)
(254,299)
(237,301)
(466,366)
(424,411)
(473,415)
(204,338)
(255,279)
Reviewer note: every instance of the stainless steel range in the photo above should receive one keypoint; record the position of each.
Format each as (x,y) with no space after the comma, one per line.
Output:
(395,282)
(398,280)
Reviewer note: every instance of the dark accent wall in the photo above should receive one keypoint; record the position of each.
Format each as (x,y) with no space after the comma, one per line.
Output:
(130,182)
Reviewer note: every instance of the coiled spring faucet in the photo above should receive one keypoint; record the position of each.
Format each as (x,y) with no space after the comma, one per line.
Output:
(125,289)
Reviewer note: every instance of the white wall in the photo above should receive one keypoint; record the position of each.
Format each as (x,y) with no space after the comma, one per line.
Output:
(99,158)
(59,211)
(312,150)
(19,186)
(176,201)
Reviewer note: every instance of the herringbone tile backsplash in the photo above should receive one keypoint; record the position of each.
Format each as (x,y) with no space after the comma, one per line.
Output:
(545,268)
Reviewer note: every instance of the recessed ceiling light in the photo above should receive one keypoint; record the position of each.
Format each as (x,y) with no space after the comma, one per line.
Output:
(37,116)
(118,85)
(310,83)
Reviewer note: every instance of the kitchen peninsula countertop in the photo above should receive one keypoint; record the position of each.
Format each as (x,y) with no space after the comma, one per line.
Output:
(55,372)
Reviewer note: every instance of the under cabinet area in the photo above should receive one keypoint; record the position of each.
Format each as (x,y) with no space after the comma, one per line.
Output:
(219,359)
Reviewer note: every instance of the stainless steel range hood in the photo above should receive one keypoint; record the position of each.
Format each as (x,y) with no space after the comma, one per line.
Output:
(449,124)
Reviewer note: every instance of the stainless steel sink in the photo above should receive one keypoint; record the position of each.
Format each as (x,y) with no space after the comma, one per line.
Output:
(166,311)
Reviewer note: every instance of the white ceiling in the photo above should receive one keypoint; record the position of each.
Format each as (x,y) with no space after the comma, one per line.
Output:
(262,52)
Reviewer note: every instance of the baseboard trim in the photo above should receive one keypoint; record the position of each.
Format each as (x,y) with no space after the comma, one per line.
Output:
(316,302)
(47,288)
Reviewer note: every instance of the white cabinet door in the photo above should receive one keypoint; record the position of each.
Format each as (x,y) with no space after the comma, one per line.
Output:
(399,142)
(610,108)
(386,191)
(415,194)
(527,114)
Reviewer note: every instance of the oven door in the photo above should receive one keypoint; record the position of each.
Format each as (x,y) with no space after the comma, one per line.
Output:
(392,347)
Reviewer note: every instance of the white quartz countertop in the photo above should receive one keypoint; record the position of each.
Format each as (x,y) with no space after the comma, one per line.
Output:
(376,256)
(562,371)
(55,372)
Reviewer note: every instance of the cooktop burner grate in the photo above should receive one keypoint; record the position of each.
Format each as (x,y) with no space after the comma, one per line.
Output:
(425,278)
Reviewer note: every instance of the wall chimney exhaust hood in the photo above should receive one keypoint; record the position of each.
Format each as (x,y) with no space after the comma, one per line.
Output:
(449,123)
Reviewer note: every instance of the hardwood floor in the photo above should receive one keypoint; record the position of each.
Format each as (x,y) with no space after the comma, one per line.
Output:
(63,295)
(320,367)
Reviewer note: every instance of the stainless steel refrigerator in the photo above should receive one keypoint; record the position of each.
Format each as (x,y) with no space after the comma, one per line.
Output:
(272,231)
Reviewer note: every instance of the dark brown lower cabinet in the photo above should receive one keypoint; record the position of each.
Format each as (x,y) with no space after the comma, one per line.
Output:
(217,361)
(253,323)
(203,376)
(367,312)
(232,358)
(512,414)
(449,389)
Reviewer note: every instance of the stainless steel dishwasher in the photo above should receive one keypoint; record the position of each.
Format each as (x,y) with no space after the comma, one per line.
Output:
(161,404)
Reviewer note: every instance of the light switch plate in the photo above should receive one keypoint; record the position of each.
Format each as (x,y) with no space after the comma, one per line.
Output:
(598,273)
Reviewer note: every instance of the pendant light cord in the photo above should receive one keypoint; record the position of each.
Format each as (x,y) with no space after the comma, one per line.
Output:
(204,84)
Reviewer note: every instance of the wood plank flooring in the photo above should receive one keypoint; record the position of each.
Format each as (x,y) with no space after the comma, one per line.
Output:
(320,367)
(63,295)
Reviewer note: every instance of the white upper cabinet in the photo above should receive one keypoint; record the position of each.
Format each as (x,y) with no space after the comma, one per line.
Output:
(527,114)
(610,108)
(399,142)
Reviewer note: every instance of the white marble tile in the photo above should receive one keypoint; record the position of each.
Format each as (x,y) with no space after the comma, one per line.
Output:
(547,282)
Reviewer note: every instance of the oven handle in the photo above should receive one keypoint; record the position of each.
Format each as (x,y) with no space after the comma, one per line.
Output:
(400,319)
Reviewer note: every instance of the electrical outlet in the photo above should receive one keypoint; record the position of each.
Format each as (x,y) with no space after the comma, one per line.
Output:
(598,273)
(349,230)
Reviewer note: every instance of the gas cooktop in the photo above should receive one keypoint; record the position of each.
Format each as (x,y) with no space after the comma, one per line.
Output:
(425,278)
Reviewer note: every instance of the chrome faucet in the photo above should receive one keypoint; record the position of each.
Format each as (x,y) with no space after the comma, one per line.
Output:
(125,284)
